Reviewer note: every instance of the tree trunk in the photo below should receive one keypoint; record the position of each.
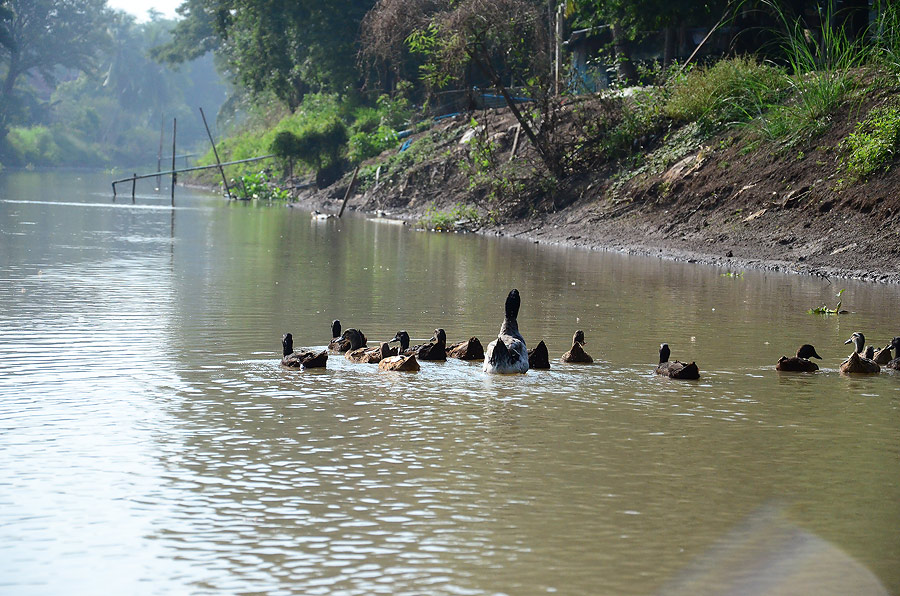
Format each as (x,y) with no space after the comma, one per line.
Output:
(669,45)
(482,60)
(627,71)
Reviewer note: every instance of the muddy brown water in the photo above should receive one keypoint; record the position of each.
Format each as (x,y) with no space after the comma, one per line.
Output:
(151,443)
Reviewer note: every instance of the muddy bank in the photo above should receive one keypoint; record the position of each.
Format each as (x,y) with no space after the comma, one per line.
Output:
(721,201)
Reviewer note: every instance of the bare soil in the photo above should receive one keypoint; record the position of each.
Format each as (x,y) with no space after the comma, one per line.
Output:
(715,202)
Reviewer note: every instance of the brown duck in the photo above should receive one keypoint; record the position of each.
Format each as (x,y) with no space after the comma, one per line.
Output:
(471,349)
(895,363)
(859,364)
(302,358)
(800,362)
(399,363)
(675,369)
(577,354)
(539,357)
(340,343)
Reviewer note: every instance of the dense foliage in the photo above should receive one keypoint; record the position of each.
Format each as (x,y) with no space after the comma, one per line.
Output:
(285,47)
(106,107)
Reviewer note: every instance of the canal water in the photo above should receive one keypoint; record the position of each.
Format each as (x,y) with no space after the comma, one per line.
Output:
(152,444)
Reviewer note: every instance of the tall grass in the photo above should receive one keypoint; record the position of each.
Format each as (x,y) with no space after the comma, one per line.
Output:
(729,92)
(821,75)
(887,34)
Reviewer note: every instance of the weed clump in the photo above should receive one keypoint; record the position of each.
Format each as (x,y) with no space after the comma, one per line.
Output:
(873,145)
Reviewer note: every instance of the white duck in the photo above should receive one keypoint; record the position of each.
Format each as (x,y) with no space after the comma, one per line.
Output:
(507,354)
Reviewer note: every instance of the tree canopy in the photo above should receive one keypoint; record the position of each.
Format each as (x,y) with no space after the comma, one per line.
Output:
(285,47)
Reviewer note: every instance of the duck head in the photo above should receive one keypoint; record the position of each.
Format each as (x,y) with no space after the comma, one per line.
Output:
(858,340)
(578,338)
(895,345)
(335,328)
(512,304)
(287,342)
(664,353)
(807,351)
(355,338)
(439,337)
(403,338)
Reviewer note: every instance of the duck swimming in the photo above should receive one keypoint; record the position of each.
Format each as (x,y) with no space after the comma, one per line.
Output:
(856,363)
(675,369)
(507,354)
(895,363)
(577,354)
(371,355)
(883,356)
(471,349)
(399,363)
(339,343)
(539,357)
(302,358)
(436,349)
(800,362)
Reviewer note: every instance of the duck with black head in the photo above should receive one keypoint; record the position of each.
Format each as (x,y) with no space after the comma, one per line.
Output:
(436,349)
(895,363)
(675,369)
(302,358)
(859,364)
(340,343)
(507,354)
(576,353)
(801,362)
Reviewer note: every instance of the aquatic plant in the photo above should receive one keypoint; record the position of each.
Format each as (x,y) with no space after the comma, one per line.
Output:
(824,310)
(257,186)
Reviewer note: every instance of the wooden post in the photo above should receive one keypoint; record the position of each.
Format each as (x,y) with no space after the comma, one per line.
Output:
(133,184)
(174,175)
(515,145)
(349,188)
(216,153)
(162,124)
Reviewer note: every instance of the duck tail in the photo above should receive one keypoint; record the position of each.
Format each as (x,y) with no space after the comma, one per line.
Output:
(500,353)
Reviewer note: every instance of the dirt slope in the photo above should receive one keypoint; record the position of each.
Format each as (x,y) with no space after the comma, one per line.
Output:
(714,202)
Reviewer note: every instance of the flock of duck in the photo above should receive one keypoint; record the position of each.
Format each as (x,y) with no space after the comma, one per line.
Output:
(508,354)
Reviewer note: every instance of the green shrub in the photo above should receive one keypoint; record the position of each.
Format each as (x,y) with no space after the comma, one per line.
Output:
(257,186)
(873,145)
(363,145)
(445,221)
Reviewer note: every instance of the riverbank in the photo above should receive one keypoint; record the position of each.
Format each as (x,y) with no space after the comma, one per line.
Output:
(728,200)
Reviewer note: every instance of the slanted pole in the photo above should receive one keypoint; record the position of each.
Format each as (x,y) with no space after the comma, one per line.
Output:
(216,153)
(133,184)
(349,189)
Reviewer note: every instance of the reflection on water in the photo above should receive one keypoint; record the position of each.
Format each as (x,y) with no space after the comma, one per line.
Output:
(152,443)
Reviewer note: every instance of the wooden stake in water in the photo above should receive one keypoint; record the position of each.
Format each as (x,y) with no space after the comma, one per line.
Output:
(174,175)
(349,188)
(133,184)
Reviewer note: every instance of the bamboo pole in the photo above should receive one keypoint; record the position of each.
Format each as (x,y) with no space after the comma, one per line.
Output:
(174,174)
(216,153)
(349,188)
(162,124)
(191,169)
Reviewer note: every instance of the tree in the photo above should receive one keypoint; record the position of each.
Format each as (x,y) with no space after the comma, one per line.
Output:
(286,47)
(42,35)
(628,19)
(503,39)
